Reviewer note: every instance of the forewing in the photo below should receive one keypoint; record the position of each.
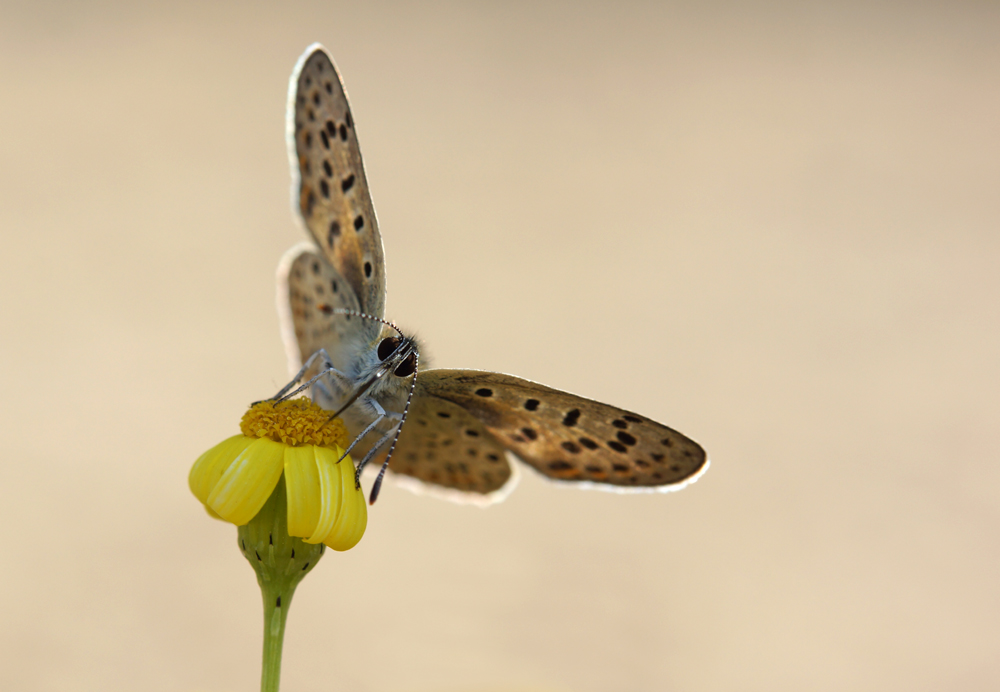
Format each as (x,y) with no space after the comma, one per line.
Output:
(329,182)
(569,438)
(307,284)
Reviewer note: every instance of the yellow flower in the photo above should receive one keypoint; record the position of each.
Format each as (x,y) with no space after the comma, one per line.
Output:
(236,477)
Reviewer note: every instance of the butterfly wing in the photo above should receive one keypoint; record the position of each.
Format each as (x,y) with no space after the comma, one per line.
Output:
(450,452)
(306,283)
(567,437)
(329,186)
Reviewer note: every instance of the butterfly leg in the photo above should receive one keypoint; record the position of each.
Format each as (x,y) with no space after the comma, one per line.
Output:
(371,453)
(381,415)
(338,378)
(371,426)
(302,371)
(333,373)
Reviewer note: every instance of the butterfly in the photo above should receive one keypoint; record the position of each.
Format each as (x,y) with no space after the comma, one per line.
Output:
(457,433)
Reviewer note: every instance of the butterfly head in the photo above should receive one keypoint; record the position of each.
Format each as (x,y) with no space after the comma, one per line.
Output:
(383,368)
(389,366)
(398,354)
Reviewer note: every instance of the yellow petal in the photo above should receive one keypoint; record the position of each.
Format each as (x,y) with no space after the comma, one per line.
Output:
(331,490)
(210,466)
(248,481)
(302,490)
(353,519)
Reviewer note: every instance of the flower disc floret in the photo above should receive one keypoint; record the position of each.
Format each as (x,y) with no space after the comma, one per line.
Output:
(295,438)
(296,422)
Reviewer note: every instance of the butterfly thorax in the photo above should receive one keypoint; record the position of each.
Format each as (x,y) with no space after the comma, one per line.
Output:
(378,379)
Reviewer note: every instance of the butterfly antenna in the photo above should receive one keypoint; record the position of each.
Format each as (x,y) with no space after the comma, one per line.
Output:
(377,485)
(327,310)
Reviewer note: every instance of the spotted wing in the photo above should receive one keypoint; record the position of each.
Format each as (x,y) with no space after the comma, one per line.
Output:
(328,179)
(307,287)
(445,447)
(568,438)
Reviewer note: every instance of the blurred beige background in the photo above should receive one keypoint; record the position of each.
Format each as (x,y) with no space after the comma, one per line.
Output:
(773,227)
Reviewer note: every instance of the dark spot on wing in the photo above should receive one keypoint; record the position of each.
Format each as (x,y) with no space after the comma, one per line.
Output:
(626,438)
(572,447)
(331,129)
(560,466)
(444,414)
(632,419)
(619,423)
(620,468)
(326,140)
(588,443)
(531,404)
(343,133)
(324,188)
(484,392)
(571,417)
(328,169)
(617,446)
(347,183)
(529,433)
(333,234)
(368,270)
(472,433)
(359,221)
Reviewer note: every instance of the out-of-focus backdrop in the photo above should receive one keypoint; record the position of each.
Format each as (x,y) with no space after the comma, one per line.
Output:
(771,226)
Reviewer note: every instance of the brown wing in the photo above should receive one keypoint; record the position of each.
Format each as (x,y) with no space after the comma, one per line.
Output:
(328,178)
(443,445)
(568,438)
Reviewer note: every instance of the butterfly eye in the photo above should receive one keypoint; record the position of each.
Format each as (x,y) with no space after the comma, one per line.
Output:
(407,367)
(387,346)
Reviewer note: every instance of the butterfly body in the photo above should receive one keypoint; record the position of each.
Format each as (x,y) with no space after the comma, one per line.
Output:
(457,431)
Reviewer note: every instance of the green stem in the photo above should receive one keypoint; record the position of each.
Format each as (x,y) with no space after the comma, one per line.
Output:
(280,561)
(276,603)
